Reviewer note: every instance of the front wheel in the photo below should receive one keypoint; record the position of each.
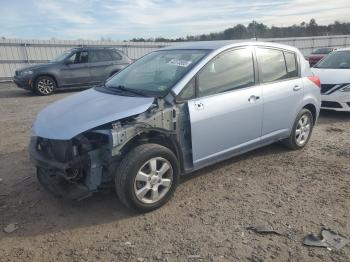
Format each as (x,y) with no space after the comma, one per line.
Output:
(301,131)
(147,177)
(44,85)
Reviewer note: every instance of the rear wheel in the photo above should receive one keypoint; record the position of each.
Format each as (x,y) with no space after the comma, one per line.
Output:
(302,130)
(44,85)
(147,177)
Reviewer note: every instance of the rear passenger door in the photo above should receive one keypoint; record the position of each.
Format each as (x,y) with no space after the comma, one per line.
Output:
(226,116)
(101,64)
(282,90)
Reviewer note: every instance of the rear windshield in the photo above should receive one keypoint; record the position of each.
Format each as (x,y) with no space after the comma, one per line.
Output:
(336,60)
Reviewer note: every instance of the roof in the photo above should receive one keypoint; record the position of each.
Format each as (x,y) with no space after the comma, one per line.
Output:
(213,45)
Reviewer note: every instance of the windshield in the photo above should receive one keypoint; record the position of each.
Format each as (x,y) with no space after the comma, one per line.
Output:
(156,73)
(62,56)
(338,59)
(321,51)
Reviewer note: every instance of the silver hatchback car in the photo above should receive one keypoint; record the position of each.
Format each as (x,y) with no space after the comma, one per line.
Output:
(171,112)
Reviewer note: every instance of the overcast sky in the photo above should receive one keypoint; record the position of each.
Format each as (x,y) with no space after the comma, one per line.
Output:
(126,19)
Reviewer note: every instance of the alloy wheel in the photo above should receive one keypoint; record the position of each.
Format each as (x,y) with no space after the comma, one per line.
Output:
(153,180)
(303,129)
(46,86)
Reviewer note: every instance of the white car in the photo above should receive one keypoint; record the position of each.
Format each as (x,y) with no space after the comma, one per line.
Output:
(334,73)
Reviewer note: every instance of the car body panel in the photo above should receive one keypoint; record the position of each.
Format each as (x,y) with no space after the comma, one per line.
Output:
(78,113)
(217,126)
(281,103)
(74,75)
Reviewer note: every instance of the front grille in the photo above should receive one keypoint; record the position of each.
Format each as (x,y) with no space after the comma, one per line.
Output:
(331,104)
(325,88)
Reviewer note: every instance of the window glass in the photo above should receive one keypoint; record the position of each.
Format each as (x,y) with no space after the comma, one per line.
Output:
(83,57)
(336,60)
(229,71)
(291,63)
(71,59)
(78,57)
(115,55)
(188,91)
(157,72)
(100,56)
(272,65)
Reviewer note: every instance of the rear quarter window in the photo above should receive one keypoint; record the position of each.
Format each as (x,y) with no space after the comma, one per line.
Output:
(291,63)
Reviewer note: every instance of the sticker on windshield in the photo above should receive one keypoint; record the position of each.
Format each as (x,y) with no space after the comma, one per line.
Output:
(178,62)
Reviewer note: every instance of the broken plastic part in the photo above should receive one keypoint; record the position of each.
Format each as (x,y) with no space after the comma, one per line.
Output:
(328,239)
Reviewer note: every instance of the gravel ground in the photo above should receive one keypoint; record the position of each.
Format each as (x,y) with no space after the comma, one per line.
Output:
(295,192)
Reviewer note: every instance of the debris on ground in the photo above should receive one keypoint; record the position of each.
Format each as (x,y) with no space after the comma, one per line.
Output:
(194,257)
(1,180)
(10,228)
(328,238)
(263,229)
(267,211)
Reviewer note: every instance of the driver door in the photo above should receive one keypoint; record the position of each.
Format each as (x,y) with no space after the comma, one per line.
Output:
(226,116)
(75,71)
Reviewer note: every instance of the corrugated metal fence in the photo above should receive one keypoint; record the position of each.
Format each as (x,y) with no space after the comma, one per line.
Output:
(15,53)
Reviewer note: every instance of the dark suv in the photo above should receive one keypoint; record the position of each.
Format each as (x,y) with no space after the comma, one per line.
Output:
(76,68)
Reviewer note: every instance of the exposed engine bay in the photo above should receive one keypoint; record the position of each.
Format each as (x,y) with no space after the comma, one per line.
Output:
(76,168)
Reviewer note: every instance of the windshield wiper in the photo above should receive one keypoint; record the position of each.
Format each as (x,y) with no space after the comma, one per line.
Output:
(124,88)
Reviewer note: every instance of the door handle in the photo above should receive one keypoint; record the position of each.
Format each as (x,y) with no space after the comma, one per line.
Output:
(198,105)
(296,88)
(253,98)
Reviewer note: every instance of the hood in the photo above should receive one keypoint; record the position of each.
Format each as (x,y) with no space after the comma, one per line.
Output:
(33,67)
(332,76)
(78,113)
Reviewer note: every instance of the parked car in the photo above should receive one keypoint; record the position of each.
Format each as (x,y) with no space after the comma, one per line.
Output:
(334,72)
(318,54)
(76,68)
(172,112)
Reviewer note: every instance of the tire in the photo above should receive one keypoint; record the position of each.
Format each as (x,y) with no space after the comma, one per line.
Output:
(144,170)
(301,131)
(45,85)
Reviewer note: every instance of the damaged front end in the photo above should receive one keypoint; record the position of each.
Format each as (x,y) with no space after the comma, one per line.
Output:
(76,168)
(72,169)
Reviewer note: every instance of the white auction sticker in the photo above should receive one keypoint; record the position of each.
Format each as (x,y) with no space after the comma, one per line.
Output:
(178,62)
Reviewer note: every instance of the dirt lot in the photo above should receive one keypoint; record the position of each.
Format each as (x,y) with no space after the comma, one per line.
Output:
(296,192)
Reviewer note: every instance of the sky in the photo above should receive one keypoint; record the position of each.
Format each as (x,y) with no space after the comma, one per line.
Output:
(127,19)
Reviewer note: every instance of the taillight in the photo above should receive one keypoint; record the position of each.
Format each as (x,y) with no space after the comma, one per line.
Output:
(315,80)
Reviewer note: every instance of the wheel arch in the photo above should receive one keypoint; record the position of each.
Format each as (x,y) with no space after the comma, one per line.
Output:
(159,137)
(45,74)
(312,109)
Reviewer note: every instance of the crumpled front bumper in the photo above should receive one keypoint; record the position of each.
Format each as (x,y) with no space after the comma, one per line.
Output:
(53,174)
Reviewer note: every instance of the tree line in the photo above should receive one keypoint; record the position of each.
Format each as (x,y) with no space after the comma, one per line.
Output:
(260,30)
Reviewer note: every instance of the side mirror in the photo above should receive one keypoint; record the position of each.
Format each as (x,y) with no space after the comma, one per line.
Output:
(68,62)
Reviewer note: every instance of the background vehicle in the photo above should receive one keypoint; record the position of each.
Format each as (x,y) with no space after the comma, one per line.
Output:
(76,68)
(171,112)
(334,72)
(318,54)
